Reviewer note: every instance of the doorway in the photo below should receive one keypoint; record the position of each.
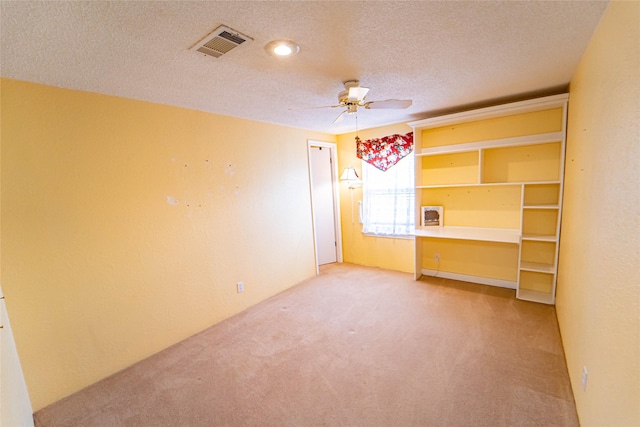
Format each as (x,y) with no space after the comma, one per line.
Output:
(323,172)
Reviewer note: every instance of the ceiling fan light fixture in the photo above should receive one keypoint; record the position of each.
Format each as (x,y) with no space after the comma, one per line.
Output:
(357,93)
(282,48)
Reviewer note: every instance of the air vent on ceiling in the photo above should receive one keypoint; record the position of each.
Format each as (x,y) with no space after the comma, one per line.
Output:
(220,41)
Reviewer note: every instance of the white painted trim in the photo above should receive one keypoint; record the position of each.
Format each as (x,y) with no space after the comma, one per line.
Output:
(15,406)
(473,279)
(333,149)
(554,101)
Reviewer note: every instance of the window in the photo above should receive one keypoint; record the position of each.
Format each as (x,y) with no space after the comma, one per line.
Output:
(388,199)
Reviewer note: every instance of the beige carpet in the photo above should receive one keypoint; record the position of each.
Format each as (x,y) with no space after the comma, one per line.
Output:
(354,346)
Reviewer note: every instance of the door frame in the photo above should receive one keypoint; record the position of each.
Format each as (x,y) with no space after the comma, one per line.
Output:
(333,150)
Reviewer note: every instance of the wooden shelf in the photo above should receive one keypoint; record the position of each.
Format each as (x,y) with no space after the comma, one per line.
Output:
(535,296)
(539,237)
(503,235)
(541,207)
(492,184)
(537,267)
(494,143)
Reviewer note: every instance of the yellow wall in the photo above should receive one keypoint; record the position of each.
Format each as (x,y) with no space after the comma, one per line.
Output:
(598,296)
(383,252)
(490,207)
(492,260)
(126,225)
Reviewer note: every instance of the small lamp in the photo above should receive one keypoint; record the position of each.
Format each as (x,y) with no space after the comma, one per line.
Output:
(351,176)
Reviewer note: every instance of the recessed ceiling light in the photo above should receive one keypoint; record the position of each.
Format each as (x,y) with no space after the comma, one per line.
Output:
(282,48)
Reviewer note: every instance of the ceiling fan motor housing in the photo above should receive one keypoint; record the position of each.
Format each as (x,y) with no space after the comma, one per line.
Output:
(343,97)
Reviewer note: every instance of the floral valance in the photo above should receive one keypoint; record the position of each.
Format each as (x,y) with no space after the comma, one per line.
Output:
(386,151)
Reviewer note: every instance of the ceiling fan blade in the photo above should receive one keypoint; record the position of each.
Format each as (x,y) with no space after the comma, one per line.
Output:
(357,93)
(389,103)
(340,117)
(315,108)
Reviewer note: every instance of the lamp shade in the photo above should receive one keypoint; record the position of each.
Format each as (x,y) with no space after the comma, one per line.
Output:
(349,174)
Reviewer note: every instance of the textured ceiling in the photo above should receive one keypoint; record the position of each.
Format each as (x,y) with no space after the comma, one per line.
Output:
(442,55)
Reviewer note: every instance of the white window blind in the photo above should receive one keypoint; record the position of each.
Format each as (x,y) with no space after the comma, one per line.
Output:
(388,199)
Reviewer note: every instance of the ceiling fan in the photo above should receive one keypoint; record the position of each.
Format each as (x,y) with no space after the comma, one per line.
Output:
(353,96)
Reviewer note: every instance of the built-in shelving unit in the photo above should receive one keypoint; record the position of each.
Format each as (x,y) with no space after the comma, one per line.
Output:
(498,174)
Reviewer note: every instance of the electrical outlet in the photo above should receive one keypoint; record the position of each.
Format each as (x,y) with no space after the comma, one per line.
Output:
(437,257)
(240,287)
(585,374)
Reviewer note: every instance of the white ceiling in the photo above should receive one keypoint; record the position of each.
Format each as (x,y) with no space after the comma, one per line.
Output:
(442,55)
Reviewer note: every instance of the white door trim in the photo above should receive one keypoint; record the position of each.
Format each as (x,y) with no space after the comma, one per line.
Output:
(333,149)
(15,406)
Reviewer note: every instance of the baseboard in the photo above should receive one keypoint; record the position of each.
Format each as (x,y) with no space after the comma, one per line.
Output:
(474,279)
